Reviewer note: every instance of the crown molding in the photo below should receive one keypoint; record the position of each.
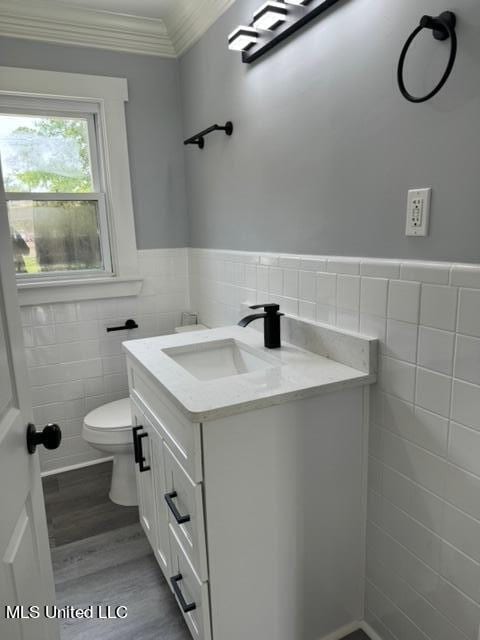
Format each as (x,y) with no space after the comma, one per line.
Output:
(190,20)
(49,21)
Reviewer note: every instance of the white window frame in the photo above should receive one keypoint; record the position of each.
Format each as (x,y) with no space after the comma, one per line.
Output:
(90,113)
(25,89)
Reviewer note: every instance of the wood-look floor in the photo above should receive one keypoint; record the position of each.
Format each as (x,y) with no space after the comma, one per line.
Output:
(101,556)
(78,505)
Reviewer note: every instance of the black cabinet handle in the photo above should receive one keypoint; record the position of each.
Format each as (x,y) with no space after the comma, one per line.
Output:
(135,431)
(183,603)
(141,457)
(173,508)
(50,437)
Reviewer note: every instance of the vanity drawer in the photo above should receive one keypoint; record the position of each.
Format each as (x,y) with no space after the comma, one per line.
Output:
(184,500)
(191,594)
(182,436)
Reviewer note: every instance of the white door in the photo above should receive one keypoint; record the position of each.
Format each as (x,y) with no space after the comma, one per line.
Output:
(25,564)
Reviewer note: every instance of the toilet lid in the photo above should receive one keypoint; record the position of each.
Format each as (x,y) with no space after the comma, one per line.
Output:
(114,415)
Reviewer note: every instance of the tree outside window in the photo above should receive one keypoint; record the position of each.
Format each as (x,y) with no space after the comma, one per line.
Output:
(55,210)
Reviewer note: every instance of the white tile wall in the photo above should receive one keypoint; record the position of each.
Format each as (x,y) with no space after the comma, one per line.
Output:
(423,542)
(75,366)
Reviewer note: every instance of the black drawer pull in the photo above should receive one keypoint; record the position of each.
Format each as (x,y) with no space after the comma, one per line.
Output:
(135,431)
(185,606)
(141,457)
(173,508)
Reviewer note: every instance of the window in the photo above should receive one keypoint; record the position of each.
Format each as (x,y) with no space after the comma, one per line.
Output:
(55,197)
(63,141)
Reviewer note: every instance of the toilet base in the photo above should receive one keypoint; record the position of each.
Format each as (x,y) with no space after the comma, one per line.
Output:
(123,488)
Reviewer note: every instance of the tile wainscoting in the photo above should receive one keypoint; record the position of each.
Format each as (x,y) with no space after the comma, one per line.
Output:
(423,538)
(75,366)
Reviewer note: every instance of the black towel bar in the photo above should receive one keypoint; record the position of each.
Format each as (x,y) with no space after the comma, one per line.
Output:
(199,138)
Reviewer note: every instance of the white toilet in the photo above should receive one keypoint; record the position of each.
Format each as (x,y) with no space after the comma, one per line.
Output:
(109,429)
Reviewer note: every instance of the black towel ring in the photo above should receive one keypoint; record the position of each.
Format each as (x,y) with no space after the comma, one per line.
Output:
(443,28)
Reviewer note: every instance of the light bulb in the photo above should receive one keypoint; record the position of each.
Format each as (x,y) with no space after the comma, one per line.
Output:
(242,38)
(270,16)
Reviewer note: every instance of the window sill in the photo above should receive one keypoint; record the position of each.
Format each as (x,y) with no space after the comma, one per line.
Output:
(31,293)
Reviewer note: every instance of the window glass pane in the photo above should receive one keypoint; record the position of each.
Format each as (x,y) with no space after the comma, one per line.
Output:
(45,154)
(55,235)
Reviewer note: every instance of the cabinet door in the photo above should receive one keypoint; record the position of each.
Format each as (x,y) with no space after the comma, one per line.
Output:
(145,444)
(162,548)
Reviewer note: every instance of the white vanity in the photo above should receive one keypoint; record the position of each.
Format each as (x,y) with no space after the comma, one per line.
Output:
(251,470)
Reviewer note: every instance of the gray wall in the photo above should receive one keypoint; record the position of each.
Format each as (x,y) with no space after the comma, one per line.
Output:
(153,123)
(325,148)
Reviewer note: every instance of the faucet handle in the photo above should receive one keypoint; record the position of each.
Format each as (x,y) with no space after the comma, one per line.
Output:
(269,307)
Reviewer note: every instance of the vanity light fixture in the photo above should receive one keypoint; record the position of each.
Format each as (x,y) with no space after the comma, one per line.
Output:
(242,38)
(278,21)
(270,16)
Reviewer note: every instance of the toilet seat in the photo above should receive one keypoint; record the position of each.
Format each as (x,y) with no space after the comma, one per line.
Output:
(109,424)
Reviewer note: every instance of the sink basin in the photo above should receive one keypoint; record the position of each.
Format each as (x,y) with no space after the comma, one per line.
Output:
(219,359)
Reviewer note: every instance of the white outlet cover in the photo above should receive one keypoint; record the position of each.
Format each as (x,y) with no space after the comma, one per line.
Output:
(418,212)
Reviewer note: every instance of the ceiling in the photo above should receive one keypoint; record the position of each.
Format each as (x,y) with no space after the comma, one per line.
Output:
(164,28)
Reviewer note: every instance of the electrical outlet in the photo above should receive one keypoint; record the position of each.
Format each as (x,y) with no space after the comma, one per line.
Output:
(418,212)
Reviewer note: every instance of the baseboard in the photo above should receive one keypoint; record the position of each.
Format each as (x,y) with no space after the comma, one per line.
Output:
(373,635)
(72,467)
(339,634)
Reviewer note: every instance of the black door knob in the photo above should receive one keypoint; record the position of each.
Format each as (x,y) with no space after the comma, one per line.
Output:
(50,437)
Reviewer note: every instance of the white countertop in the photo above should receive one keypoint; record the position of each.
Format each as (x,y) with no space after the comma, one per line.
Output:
(295,374)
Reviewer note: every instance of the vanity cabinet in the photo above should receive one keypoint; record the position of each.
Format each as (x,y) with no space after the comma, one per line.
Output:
(257,519)
(171,510)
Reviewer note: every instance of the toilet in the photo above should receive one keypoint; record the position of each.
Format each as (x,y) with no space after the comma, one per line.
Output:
(109,430)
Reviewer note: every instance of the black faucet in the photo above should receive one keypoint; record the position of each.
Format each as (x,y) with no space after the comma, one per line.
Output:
(271,326)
